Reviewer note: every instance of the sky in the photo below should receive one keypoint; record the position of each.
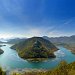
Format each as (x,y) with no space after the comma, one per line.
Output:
(28,18)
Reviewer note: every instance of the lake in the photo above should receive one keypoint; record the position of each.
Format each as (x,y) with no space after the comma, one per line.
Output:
(10,60)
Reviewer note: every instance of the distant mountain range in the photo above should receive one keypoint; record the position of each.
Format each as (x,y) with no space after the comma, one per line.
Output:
(67,42)
(55,40)
(65,39)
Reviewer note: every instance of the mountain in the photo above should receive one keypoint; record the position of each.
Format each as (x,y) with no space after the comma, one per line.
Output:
(15,40)
(65,39)
(67,42)
(35,47)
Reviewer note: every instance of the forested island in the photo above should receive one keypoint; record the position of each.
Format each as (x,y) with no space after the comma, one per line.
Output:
(35,47)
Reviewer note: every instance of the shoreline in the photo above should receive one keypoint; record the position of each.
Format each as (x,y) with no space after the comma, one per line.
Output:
(70,48)
(26,70)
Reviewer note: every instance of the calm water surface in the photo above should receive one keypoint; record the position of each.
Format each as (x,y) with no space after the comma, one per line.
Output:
(10,59)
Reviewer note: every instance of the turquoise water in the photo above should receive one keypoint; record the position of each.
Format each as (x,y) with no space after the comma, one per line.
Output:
(10,59)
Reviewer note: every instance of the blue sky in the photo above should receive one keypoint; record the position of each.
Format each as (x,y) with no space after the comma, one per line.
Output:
(27,18)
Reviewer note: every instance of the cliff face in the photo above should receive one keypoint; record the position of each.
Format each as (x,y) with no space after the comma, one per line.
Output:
(35,47)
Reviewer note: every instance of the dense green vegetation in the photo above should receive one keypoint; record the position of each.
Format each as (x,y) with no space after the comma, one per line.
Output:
(35,47)
(62,69)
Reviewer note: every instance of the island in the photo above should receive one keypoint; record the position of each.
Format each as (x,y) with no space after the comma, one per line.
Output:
(35,48)
(1,51)
(2,45)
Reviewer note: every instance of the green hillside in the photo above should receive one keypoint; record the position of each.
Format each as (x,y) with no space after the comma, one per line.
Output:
(35,47)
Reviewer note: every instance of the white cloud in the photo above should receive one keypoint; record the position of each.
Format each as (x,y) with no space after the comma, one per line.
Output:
(33,32)
(7,35)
